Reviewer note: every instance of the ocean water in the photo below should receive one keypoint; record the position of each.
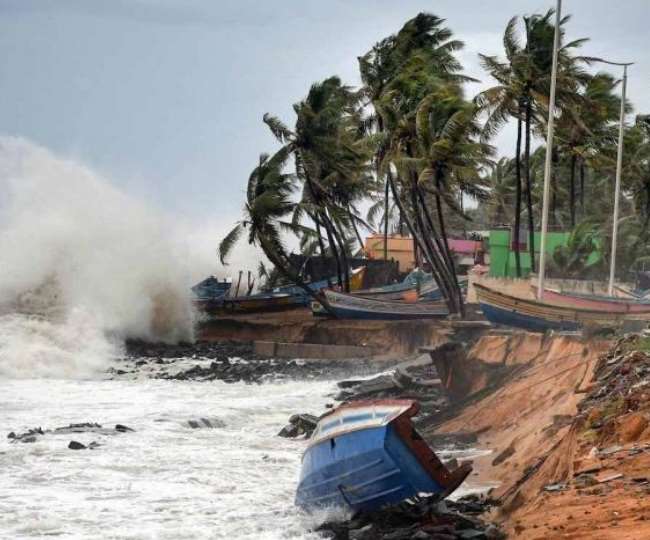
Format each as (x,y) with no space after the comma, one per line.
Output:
(163,481)
(74,284)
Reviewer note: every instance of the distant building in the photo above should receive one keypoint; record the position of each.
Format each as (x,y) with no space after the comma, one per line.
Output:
(502,251)
(400,248)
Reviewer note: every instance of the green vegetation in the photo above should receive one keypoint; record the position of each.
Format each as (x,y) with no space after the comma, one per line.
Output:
(414,149)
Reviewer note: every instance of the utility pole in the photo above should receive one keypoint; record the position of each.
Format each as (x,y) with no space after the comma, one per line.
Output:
(619,166)
(549,151)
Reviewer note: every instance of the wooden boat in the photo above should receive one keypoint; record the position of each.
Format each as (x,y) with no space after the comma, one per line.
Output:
(262,303)
(347,306)
(594,302)
(210,293)
(366,454)
(500,308)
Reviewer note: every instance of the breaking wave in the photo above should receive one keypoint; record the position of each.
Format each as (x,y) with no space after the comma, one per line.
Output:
(83,266)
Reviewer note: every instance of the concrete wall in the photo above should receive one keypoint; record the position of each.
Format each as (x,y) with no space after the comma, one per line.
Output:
(272,349)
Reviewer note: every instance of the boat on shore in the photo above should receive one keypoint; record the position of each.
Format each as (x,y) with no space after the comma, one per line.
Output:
(348,306)
(210,293)
(366,454)
(503,309)
(595,302)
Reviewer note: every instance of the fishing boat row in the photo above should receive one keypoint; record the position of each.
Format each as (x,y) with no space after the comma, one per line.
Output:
(367,454)
(347,306)
(557,312)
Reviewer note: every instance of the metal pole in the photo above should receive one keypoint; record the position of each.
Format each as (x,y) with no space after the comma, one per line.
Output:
(549,152)
(619,165)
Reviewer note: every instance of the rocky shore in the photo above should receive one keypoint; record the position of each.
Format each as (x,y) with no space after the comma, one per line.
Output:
(227,361)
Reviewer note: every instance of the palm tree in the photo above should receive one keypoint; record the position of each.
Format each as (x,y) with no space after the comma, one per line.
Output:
(331,160)
(422,41)
(268,205)
(501,181)
(521,93)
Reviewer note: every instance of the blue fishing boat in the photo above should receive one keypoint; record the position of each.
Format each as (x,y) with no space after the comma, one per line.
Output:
(210,293)
(366,455)
(503,309)
(211,288)
(348,306)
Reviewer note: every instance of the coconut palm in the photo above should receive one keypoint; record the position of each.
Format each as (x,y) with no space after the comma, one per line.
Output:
(268,207)
(521,94)
(331,160)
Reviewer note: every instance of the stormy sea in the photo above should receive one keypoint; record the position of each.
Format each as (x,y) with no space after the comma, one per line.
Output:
(88,453)
(85,267)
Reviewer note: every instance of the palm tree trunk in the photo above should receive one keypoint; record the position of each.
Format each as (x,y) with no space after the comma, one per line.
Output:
(356,230)
(386,194)
(582,187)
(529,187)
(414,204)
(339,236)
(435,264)
(555,160)
(572,191)
(334,251)
(447,270)
(447,253)
(515,238)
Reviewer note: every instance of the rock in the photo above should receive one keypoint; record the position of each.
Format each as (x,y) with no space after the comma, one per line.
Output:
(299,424)
(123,429)
(585,480)
(555,487)
(421,535)
(289,431)
(11,435)
(206,423)
(75,445)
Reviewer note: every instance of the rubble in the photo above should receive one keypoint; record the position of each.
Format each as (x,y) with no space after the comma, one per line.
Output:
(32,435)
(299,424)
(424,519)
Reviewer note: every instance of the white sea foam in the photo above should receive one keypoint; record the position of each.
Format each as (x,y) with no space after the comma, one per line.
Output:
(165,480)
(83,266)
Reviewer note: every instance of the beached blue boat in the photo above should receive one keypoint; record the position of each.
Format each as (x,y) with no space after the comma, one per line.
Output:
(348,306)
(211,289)
(366,454)
(503,309)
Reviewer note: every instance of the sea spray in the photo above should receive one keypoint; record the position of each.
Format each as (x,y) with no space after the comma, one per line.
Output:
(83,266)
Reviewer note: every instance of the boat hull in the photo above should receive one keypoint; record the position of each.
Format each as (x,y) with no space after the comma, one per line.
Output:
(346,306)
(364,470)
(500,308)
(366,454)
(505,317)
(596,303)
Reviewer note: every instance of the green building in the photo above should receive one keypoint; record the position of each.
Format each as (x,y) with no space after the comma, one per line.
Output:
(502,257)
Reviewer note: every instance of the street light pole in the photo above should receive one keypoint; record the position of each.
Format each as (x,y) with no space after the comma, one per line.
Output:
(549,151)
(619,166)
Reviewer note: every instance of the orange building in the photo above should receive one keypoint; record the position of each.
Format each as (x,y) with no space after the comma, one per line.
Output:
(400,249)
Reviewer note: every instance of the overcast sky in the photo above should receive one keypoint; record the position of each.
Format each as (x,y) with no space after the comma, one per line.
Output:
(166,97)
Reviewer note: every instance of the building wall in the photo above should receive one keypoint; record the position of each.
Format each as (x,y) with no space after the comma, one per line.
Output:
(400,249)
(502,258)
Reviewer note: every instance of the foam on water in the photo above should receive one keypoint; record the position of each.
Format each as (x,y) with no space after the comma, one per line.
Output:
(83,264)
(165,481)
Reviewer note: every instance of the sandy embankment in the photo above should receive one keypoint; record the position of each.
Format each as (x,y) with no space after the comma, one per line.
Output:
(559,440)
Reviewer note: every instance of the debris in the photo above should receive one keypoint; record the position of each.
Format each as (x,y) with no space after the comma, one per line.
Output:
(75,445)
(610,478)
(423,519)
(299,424)
(555,487)
(206,423)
